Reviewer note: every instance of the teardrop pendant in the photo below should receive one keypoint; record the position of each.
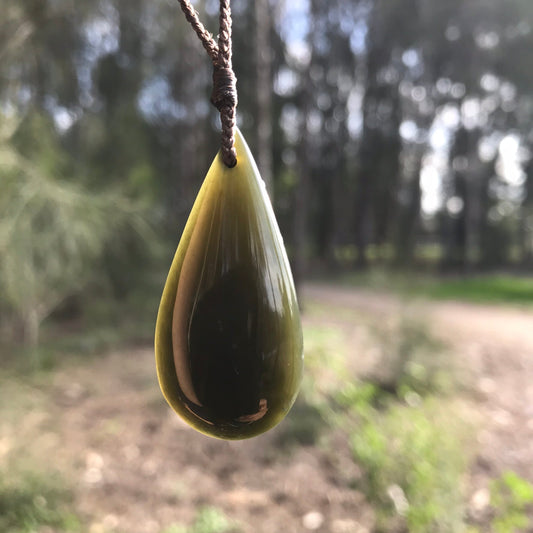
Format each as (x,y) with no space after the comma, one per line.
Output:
(228,341)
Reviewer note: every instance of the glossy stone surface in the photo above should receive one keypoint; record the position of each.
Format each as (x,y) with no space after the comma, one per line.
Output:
(228,342)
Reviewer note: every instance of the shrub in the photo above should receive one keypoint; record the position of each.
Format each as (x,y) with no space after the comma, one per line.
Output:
(208,520)
(511,496)
(410,358)
(414,462)
(30,501)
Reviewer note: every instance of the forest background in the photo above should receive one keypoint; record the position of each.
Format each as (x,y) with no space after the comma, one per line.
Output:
(396,141)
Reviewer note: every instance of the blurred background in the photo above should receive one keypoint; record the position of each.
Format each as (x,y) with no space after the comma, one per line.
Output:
(396,140)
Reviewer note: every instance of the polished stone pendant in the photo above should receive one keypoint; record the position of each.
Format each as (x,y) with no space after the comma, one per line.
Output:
(228,340)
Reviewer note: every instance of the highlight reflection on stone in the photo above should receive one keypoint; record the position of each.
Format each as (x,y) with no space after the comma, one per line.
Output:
(228,341)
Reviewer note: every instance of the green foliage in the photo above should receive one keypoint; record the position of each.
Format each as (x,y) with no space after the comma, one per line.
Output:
(511,497)
(498,289)
(31,500)
(307,419)
(414,460)
(52,231)
(410,444)
(208,520)
(175,528)
(505,289)
(32,496)
(125,93)
(358,396)
(325,358)
(311,415)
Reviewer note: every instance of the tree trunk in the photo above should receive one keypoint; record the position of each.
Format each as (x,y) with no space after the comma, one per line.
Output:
(301,209)
(363,211)
(409,220)
(264,93)
(31,324)
(302,194)
(457,237)
(31,329)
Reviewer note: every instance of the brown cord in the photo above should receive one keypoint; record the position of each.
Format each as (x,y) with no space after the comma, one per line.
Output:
(224,95)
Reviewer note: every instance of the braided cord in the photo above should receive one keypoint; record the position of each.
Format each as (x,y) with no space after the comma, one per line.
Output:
(224,95)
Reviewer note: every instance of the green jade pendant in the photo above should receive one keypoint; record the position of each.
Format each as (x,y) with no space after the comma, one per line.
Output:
(228,340)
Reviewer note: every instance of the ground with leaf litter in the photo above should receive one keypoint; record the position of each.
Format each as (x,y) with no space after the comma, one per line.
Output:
(134,467)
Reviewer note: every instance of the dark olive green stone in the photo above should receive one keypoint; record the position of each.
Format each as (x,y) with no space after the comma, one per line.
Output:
(228,344)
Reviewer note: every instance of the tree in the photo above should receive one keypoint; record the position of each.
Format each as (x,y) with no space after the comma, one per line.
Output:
(391,29)
(51,232)
(264,55)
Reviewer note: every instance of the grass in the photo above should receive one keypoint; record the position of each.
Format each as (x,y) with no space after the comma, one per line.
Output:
(31,500)
(414,469)
(325,350)
(405,432)
(511,498)
(34,497)
(207,520)
(503,288)
(394,419)
(484,289)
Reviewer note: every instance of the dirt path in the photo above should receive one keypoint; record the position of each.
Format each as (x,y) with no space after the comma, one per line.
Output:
(137,468)
(494,343)
(140,468)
